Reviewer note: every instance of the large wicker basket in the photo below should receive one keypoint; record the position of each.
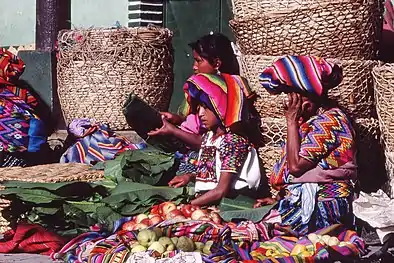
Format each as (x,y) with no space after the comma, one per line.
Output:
(347,29)
(48,173)
(355,93)
(384,96)
(370,157)
(98,69)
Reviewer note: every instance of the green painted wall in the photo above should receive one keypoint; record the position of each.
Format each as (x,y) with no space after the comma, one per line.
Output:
(99,13)
(190,20)
(18,17)
(17,22)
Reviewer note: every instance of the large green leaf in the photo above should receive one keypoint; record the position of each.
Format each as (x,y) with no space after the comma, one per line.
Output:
(30,185)
(241,208)
(36,196)
(130,191)
(238,203)
(85,206)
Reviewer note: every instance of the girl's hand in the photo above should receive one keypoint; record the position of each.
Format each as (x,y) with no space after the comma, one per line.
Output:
(180,180)
(264,201)
(172,117)
(294,110)
(166,129)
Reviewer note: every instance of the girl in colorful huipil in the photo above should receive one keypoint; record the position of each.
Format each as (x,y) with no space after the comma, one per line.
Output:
(317,168)
(227,162)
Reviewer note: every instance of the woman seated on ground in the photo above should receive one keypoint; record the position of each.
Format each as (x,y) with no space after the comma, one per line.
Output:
(213,54)
(317,168)
(227,163)
(23,135)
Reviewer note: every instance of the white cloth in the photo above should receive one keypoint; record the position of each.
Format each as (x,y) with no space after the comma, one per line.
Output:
(181,257)
(377,209)
(307,193)
(249,176)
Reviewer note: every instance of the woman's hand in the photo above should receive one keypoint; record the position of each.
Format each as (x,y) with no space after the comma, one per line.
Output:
(265,201)
(172,117)
(294,107)
(180,180)
(166,129)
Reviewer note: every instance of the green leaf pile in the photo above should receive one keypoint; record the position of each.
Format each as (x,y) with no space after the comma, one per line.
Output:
(241,208)
(145,166)
(70,208)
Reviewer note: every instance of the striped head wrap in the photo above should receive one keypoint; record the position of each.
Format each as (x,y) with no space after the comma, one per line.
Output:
(223,94)
(301,74)
(11,67)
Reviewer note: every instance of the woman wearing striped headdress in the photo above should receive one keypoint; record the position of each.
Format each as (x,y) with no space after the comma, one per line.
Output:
(227,162)
(213,55)
(317,168)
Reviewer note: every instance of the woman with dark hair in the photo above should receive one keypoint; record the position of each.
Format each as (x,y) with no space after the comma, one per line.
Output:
(213,55)
(317,169)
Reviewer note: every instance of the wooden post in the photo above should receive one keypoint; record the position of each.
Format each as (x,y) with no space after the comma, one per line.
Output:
(51,16)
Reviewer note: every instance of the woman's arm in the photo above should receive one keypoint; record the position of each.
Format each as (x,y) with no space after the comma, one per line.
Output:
(193,140)
(218,193)
(296,164)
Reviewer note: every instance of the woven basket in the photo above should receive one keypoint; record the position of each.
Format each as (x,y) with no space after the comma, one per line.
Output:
(269,156)
(355,93)
(98,68)
(347,29)
(48,173)
(384,90)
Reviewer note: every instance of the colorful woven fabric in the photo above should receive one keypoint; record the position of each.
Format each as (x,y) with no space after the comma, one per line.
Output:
(11,67)
(326,139)
(20,129)
(296,74)
(228,153)
(98,144)
(30,239)
(279,249)
(220,93)
(326,213)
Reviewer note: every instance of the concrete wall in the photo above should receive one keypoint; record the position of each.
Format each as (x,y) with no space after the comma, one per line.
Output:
(17,22)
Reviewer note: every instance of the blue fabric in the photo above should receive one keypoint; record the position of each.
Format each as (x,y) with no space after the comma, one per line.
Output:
(36,135)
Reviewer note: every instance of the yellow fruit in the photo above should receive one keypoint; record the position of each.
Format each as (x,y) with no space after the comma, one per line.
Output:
(298,249)
(305,254)
(174,240)
(313,238)
(156,246)
(207,248)
(326,238)
(146,237)
(333,241)
(185,244)
(199,246)
(138,248)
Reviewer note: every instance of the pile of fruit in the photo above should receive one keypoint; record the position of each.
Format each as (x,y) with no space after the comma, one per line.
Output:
(169,210)
(151,240)
(316,240)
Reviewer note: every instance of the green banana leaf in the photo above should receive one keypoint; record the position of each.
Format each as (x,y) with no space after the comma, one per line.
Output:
(241,208)
(36,196)
(129,191)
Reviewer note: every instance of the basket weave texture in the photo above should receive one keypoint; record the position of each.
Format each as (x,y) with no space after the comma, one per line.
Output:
(98,68)
(347,29)
(48,173)
(355,93)
(384,96)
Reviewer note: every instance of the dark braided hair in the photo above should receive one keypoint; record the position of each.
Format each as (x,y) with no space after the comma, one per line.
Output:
(217,46)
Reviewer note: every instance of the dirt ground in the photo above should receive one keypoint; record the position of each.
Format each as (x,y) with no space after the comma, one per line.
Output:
(25,258)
